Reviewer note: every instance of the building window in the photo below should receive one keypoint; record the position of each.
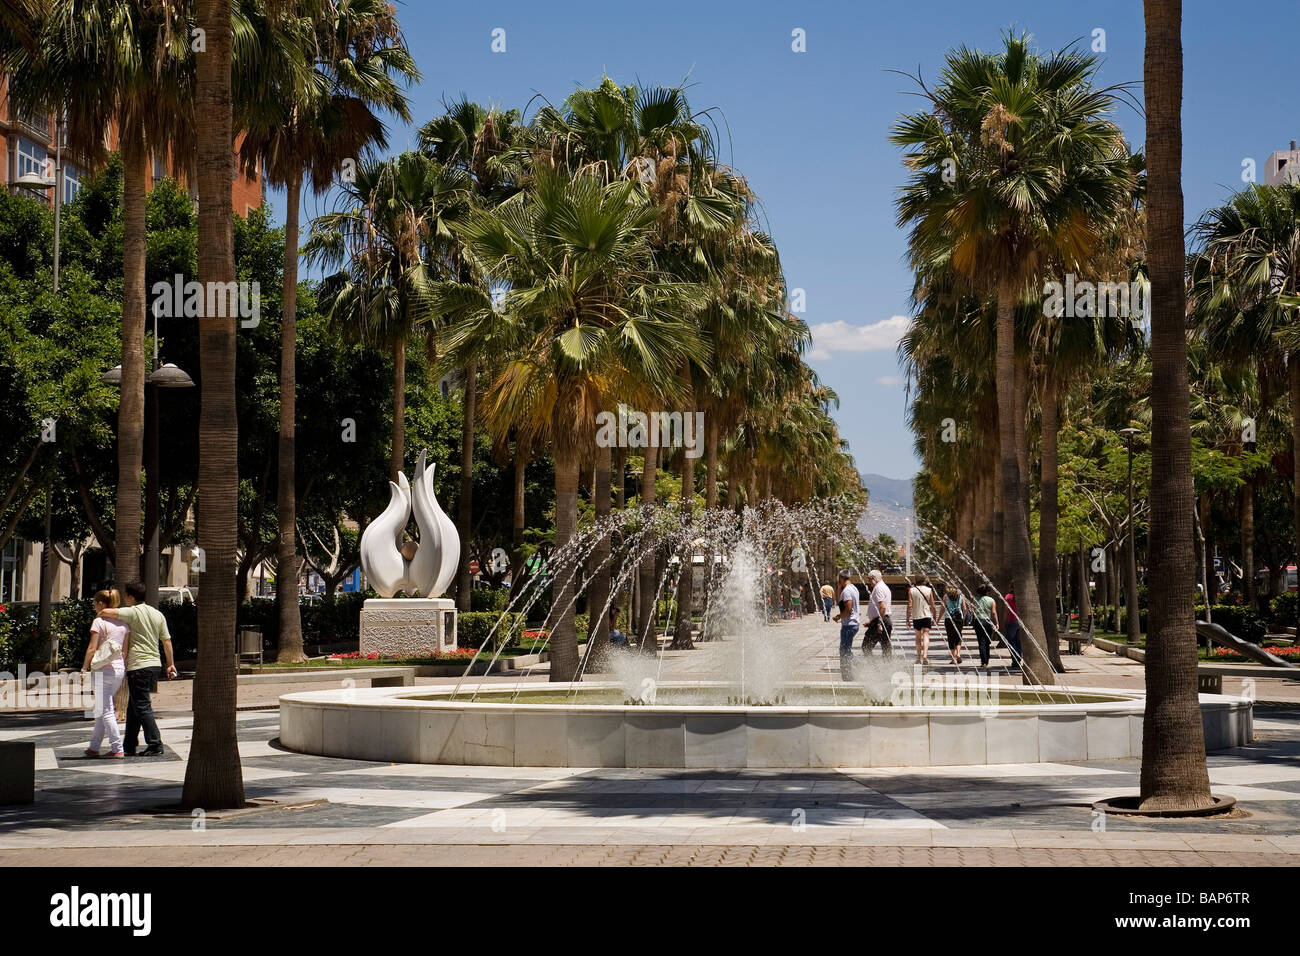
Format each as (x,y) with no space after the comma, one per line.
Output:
(11,571)
(71,182)
(159,167)
(32,158)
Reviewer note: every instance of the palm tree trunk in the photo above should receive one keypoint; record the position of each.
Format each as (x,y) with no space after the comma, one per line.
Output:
(646,573)
(598,590)
(1085,592)
(1174,774)
(711,464)
(1049,573)
(517,521)
(398,459)
(1022,430)
(620,479)
(999,572)
(1248,541)
(465,507)
(1037,669)
(130,411)
(1293,381)
(685,580)
(564,638)
(213,777)
(287,563)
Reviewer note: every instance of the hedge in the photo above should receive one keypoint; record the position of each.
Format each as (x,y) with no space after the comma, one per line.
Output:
(473,627)
(1283,612)
(1234,618)
(489,599)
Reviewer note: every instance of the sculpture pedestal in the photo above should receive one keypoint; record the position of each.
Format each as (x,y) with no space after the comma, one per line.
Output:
(408,627)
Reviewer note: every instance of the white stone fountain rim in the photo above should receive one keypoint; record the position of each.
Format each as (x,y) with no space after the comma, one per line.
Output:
(1131,702)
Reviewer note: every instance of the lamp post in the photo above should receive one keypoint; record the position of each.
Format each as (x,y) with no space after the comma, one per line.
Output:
(165,375)
(1131,610)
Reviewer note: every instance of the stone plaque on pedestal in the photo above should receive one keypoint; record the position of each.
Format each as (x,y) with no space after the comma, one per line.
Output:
(408,627)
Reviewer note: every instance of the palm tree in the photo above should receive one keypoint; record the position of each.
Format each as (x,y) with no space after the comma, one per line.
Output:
(585,310)
(213,777)
(1174,774)
(1245,289)
(1036,169)
(478,141)
(307,104)
(388,243)
(100,62)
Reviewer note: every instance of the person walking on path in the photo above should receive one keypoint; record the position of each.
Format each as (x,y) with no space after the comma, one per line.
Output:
(143,666)
(880,623)
(921,609)
(953,616)
(847,616)
(828,601)
(109,642)
(985,621)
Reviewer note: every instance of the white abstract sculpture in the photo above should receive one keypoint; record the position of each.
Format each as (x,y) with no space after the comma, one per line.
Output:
(433,565)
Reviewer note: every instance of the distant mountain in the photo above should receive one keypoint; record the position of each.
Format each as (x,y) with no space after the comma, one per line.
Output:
(889,504)
(888,493)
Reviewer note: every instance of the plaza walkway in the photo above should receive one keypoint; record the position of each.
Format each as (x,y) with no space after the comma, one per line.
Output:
(322,811)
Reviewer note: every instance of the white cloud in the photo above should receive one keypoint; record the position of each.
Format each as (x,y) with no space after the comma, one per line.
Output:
(889,380)
(830,339)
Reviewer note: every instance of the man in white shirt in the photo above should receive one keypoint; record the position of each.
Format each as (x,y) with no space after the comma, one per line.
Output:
(880,624)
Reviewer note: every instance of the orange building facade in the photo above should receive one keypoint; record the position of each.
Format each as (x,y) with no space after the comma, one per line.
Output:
(29,147)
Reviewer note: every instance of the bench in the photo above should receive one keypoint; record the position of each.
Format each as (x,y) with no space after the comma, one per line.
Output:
(1074,640)
(377,676)
(17,772)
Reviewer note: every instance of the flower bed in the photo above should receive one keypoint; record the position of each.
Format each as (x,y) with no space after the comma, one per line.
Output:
(1230,656)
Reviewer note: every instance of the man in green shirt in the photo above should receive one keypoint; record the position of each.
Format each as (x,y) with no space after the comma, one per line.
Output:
(143,666)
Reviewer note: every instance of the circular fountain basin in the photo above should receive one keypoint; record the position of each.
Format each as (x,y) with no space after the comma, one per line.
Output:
(527,727)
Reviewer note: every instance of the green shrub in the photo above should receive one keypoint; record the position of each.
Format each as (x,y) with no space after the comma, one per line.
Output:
(21,641)
(582,624)
(1239,621)
(335,620)
(489,599)
(473,627)
(1283,612)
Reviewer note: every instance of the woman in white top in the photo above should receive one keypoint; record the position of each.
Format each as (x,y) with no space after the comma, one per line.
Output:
(921,609)
(112,674)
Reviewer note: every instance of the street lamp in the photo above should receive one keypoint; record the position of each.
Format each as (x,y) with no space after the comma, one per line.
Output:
(1134,623)
(165,375)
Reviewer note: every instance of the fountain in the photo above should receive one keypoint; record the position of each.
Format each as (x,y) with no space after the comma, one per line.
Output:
(759,705)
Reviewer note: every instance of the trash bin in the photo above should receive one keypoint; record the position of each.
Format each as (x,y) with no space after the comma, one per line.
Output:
(249,643)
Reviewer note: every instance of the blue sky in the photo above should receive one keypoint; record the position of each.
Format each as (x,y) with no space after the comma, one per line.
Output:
(810,129)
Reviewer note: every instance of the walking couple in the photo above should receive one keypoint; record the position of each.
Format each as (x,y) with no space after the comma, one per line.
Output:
(124,646)
(879,623)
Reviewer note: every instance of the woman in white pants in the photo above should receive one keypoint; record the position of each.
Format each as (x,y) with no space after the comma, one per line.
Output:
(108,678)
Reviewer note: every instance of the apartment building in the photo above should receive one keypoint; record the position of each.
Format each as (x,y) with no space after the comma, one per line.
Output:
(29,147)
